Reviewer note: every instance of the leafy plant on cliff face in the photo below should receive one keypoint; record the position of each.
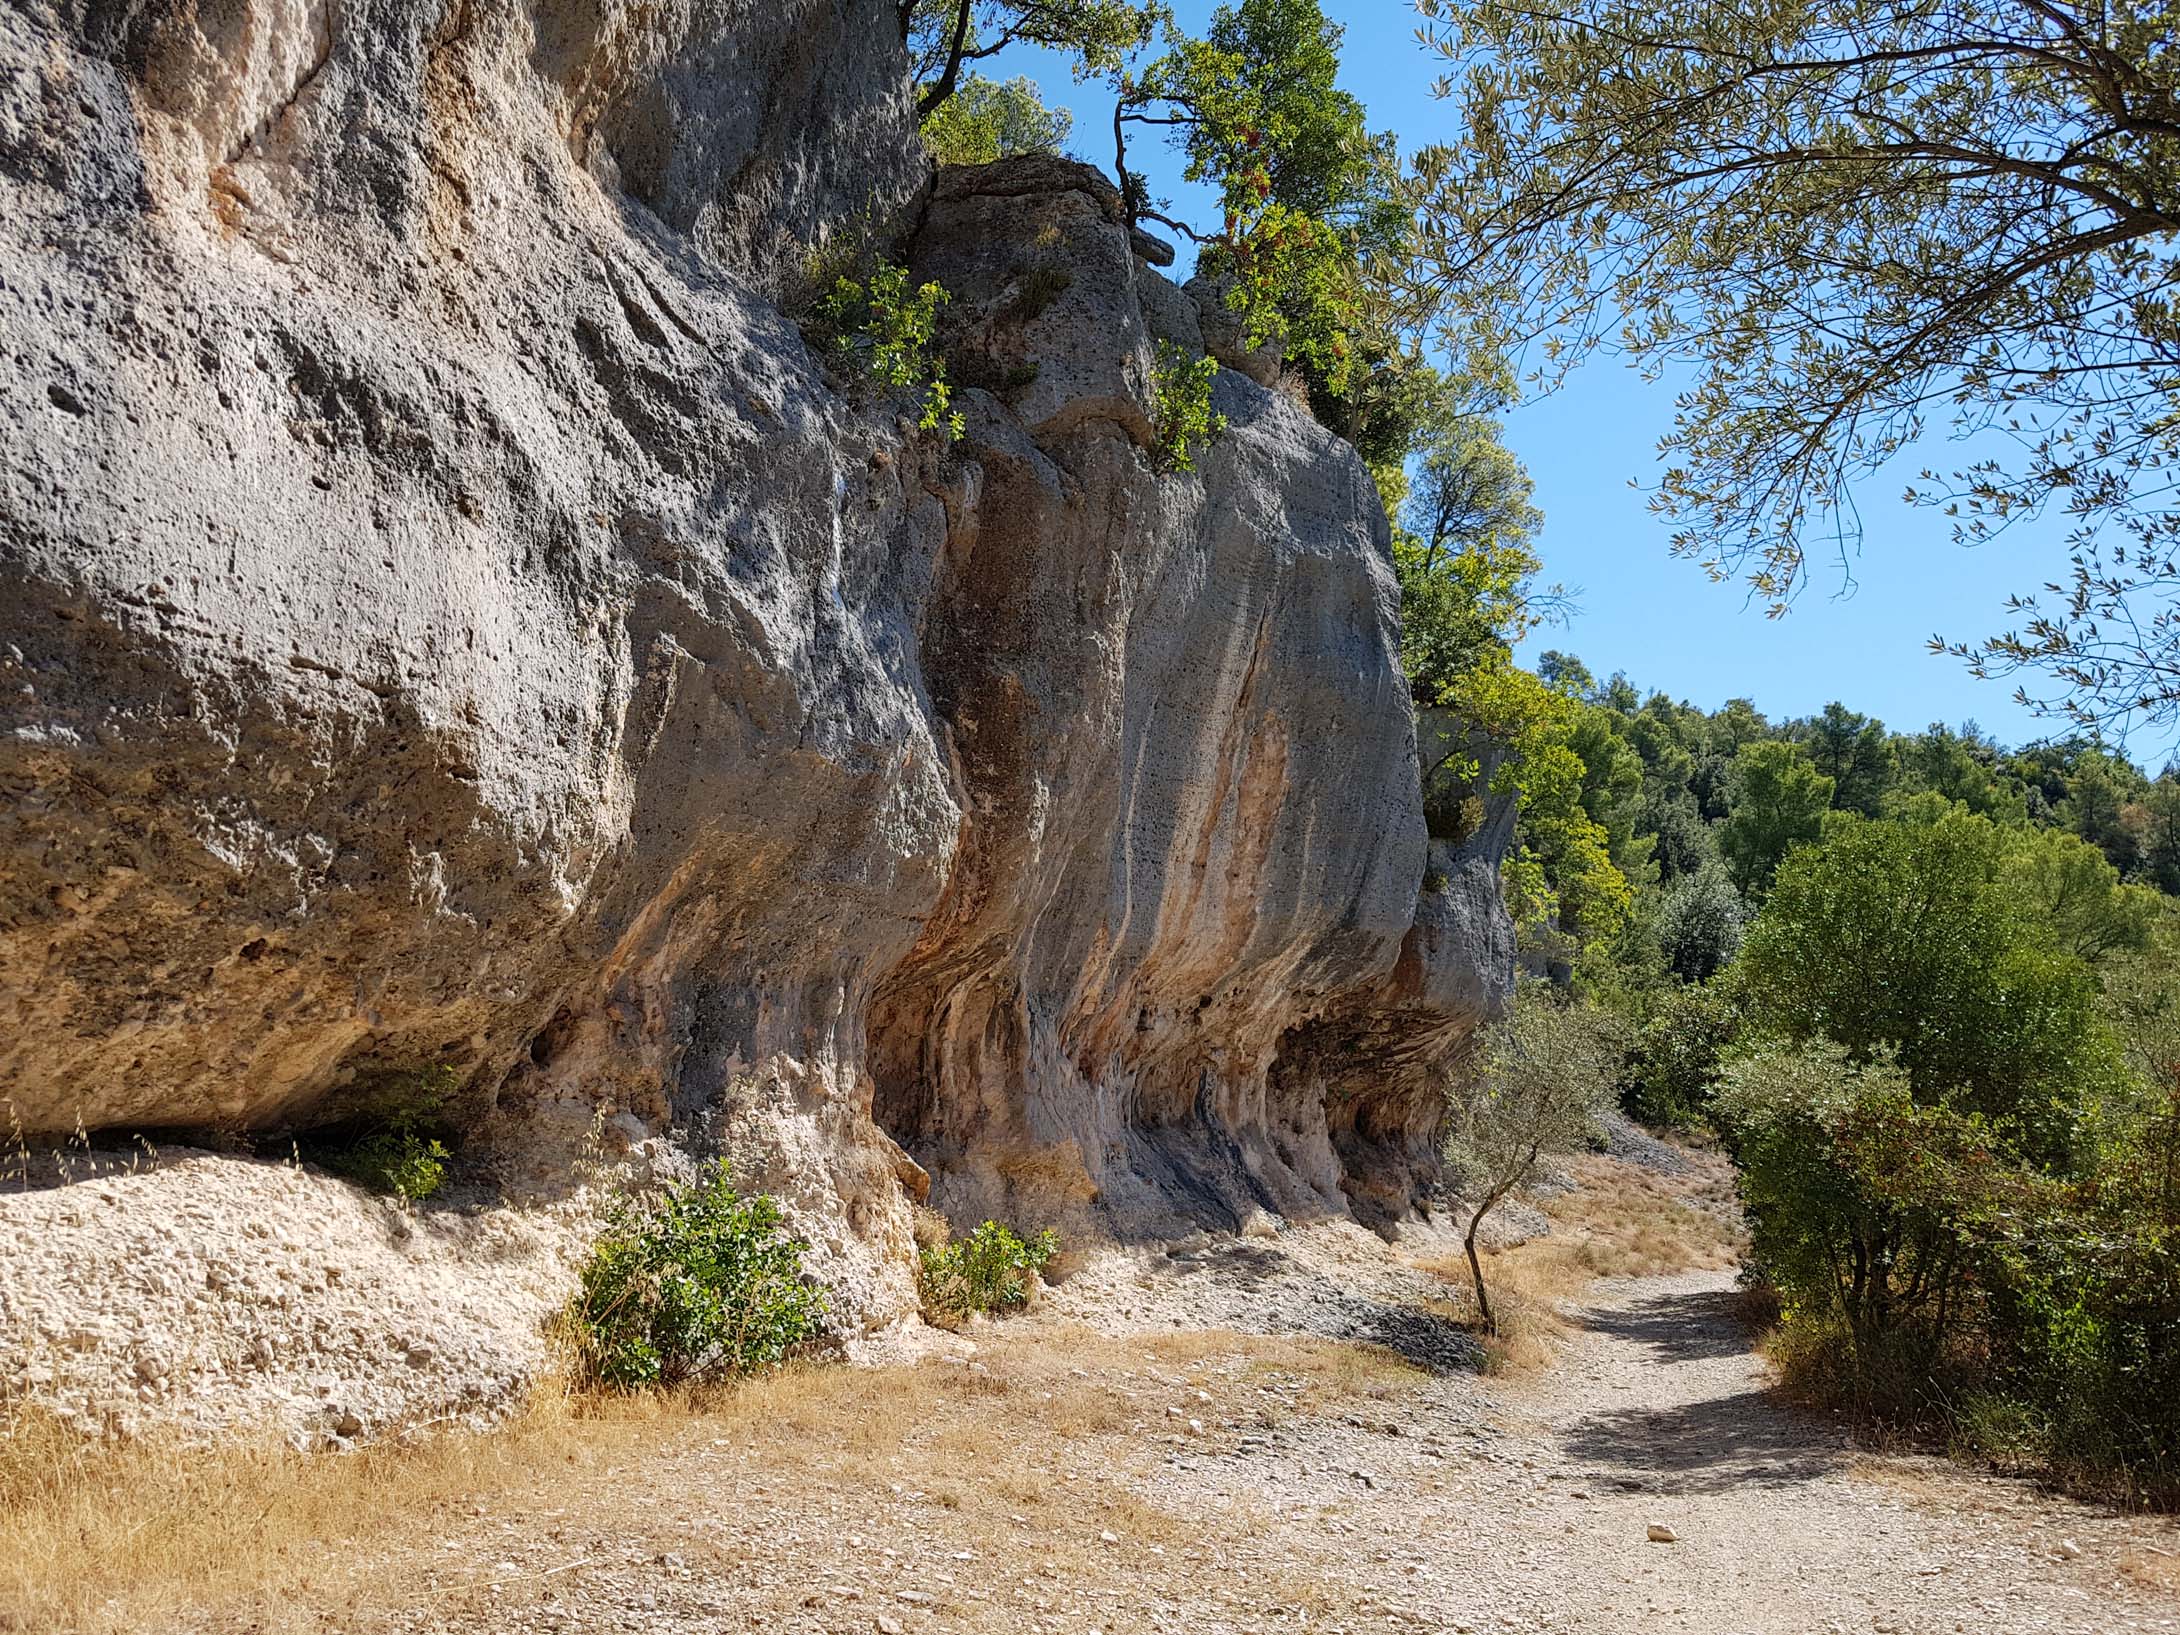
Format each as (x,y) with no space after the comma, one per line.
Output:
(1183,422)
(881,329)
(990,1271)
(698,1283)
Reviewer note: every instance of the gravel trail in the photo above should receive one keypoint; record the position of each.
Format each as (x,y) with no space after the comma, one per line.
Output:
(1112,1466)
(1658,1413)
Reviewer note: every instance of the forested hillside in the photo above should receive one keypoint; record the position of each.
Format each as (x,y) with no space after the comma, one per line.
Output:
(1925,987)
(1927,990)
(1697,808)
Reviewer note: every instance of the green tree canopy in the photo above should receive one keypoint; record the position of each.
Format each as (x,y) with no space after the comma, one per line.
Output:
(2068,885)
(1778,801)
(1467,573)
(1916,939)
(945,37)
(989,119)
(1309,198)
(1961,767)
(2158,816)
(1464,556)
(1699,925)
(1852,750)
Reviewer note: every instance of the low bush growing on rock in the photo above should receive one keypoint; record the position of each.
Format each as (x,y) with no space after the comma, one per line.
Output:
(989,1271)
(697,1283)
(985,119)
(881,328)
(395,1146)
(410,1165)
(1181,407)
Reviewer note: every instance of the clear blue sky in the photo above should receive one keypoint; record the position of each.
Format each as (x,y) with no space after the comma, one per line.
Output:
(1642,610)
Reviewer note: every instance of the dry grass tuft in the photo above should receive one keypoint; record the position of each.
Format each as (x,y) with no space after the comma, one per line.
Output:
(2152,1568)
(106,1537)
(109,1536)
(1621,1220)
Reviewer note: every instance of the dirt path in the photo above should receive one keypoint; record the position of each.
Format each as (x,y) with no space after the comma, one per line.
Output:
(1202,1481)
(1658,1413)
(1174,1474)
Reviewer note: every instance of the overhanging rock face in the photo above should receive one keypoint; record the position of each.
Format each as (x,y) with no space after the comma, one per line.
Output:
(1184,750)
(450,619)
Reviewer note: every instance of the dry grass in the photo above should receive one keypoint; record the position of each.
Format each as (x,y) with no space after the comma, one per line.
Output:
(102,1537)
(1618,1220)
(2152,1568)
(1624,1221)
(107,1536)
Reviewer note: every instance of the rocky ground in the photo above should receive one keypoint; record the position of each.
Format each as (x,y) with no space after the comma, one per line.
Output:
(1140,1455)
(1441,1505)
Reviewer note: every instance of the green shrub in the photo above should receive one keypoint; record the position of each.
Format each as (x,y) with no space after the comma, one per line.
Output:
(1935,1276)
(1911,939)
(1184,427)
(1699,924)
(1858,1196)
(697,1283)
(880,329)
(395,1144)
(1675,1064)
(404,1162)
(991,1271)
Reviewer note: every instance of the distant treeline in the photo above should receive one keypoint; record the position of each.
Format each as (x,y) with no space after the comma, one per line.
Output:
(1689,802)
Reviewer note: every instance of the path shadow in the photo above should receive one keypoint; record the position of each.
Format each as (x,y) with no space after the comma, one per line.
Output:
(1677,1327)
(1741,1441)
(1239,1265)
(1435,1344)
(1745,1438)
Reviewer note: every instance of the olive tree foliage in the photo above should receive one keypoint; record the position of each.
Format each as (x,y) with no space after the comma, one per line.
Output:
(1543,1073)
(1846,225)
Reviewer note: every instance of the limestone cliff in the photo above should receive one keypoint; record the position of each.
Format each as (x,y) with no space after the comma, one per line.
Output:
(449,617)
